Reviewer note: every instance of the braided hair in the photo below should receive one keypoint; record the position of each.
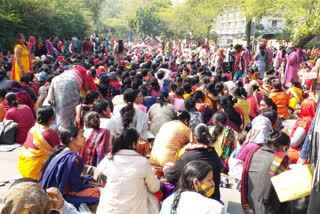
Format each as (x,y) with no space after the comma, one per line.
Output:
(194,169)
(128,112)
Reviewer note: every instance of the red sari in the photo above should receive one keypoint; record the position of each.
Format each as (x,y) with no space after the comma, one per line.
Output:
(306,116)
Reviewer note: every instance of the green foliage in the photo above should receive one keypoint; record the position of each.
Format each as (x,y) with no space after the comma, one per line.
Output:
(146,20)
(312,44)
(41,19)
(284,35)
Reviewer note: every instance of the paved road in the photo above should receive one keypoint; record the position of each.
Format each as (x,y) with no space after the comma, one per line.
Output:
(9,171)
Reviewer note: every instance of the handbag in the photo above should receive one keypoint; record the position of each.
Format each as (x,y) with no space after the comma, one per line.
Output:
(8,132)
(293,184)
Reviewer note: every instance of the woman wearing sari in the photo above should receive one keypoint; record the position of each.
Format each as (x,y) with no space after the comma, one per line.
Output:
(280,98)
(257,193)
(22,95)
(97,143)
(223,139)
(22,62)
(71,81)
(301,128)
(63,170)
(295,94)
(40,142)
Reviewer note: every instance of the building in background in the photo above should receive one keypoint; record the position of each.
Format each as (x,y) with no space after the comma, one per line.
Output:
(231,27)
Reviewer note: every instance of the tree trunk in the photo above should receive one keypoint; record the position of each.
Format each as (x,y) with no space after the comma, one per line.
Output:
(302,41)
(248,32)
(208,35)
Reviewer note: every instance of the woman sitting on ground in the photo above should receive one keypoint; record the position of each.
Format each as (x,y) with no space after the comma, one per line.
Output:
(234,119)
(203,108)
(172,137)
(130,178)
(177,100)
(301,128)
(40,142)
(22,96)
(190,106)
(160,113)
(130,117)
(240,95)
(63,170)
(267,104)
(195,188)
(280,98)
(82,109)
(223,139)
(199,149)
(257,192)
(295,94)
(21,114)
(102,107)
(97,144)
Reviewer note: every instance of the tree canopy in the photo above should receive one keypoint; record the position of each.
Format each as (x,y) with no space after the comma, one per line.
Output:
(165,19)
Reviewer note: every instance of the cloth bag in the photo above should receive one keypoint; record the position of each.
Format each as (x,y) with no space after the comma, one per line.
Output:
(293,184)
(8,132)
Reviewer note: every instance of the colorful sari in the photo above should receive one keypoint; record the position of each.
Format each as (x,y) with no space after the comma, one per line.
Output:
(26,196)
(279,164)
(31,160)
(308,107)
(25,61)
(96,148)
(64,173)
(295,96)
(227,147)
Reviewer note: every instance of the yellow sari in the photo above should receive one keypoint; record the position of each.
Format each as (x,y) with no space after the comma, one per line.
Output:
(296,97)
(31,160)
(24,61)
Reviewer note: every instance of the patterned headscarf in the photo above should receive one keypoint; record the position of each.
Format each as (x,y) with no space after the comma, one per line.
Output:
(260,132)
(26,196)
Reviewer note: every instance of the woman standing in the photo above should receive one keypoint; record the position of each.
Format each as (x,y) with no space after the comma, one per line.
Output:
(22,62)
(278,59)
(160,113)
(71,81)
(291,71)
(262,59)
(118,51)
(20,114)
(40,142)
(32,46)
(131,180)
(218,59)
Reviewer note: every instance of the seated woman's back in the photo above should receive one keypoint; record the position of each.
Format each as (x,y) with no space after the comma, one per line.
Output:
(130,177)
(171,137)
(20,114)
(160,113)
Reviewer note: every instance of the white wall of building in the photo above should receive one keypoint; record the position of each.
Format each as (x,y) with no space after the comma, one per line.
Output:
(231,26)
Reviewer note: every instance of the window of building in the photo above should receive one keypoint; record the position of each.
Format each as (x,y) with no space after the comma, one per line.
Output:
(274,23)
